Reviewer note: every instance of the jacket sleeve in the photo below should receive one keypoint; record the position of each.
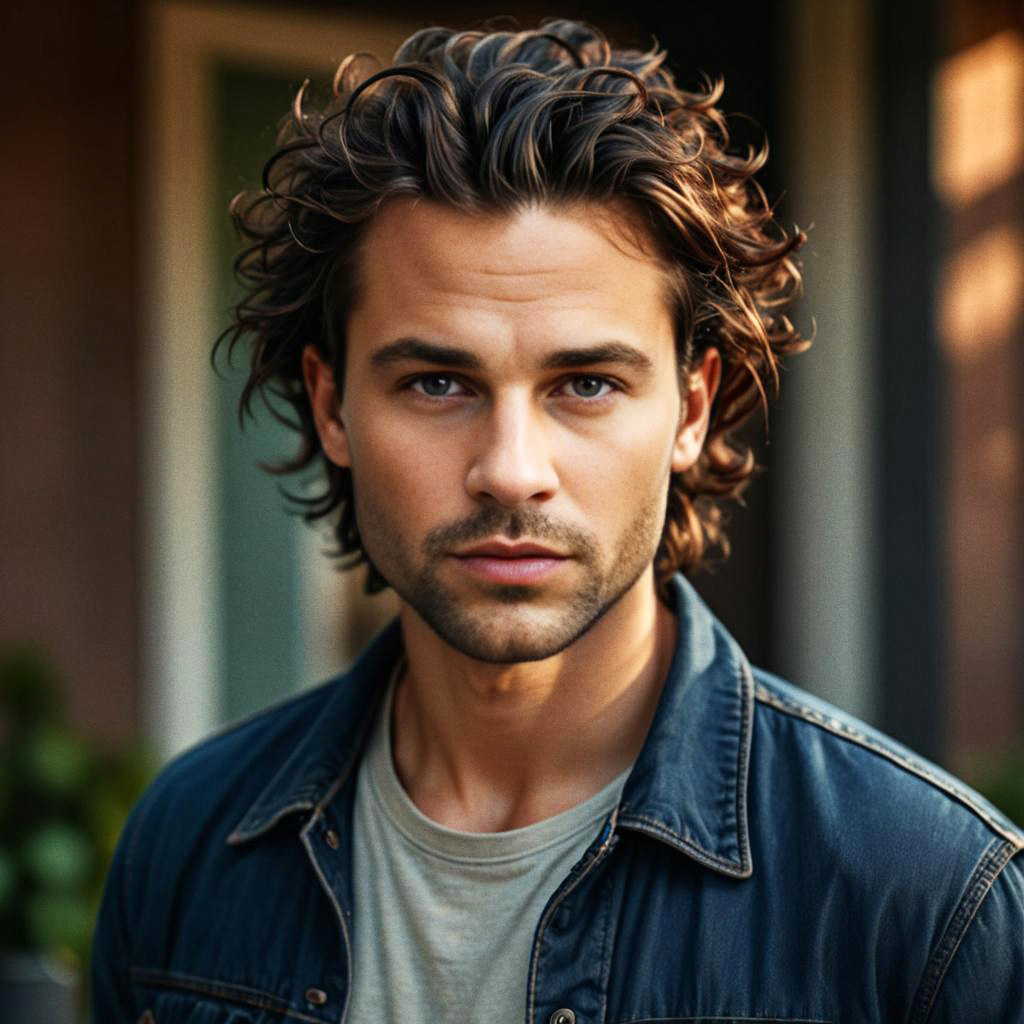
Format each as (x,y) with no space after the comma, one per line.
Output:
(109,996)
(985,978)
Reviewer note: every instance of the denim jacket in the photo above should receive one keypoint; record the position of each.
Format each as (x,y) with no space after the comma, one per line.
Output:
(771,859)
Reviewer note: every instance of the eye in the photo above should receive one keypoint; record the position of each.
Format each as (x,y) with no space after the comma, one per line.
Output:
(590,387)
(437,385)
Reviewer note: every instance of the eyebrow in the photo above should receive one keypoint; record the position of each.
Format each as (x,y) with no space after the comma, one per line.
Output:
(414,349)
(608,352)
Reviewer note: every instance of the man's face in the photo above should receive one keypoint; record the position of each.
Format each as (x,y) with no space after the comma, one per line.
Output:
(511,416)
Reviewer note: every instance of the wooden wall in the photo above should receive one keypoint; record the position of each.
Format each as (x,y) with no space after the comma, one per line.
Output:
(69,491)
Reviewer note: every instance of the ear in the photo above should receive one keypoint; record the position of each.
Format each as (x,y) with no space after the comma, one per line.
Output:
(323,397)
(702,383)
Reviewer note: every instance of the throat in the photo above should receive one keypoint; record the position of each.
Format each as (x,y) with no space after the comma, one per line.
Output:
(497,750)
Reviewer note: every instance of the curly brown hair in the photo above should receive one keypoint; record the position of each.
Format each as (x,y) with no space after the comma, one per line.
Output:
(495,121)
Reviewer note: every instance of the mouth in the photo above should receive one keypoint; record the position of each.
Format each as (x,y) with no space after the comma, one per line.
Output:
(501,562)
(503,549)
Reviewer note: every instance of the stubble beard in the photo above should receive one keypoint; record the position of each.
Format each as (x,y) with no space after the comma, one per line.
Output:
(534,627)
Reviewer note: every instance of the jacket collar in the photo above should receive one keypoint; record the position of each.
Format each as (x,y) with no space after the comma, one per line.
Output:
(325,757)
(687,789)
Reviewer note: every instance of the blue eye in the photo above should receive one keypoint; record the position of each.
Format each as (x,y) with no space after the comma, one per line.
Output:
(589,387)
(435,385)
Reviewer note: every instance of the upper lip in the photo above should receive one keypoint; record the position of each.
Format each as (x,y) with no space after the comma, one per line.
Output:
(502,549)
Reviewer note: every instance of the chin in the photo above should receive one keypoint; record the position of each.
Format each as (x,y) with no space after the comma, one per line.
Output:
(513,650)
(509,629)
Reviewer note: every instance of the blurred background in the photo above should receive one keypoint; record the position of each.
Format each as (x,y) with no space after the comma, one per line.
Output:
(153,588)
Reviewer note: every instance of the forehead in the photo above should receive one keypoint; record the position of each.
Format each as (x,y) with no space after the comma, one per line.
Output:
(537,266)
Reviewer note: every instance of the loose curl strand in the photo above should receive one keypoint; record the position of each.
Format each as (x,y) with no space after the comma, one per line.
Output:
(492,121)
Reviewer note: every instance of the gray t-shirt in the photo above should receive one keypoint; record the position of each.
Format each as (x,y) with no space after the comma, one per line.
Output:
(444,920)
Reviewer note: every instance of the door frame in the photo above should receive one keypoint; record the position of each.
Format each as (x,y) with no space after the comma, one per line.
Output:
(181,611)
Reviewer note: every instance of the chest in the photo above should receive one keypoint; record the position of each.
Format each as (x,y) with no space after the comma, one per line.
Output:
(632,932)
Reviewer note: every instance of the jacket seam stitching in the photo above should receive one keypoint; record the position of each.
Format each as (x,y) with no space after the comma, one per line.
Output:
(732,1019)
(561,894)
(606,946)
(836,728)
(320,811)
(302,793)
(332,898)
(308,798)
(746,693)
(996,856)
(653,825)
(267,819)
(233,993)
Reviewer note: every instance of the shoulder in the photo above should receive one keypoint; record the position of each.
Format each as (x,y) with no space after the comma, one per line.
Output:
(978,971)
(867,771)
(178,830)
(276,761)
(242,756)
(184,847)
(205,790)
(930,863)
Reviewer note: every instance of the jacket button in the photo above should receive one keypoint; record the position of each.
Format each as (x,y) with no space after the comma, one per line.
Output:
(562,1016)
(316,996)
(332,839)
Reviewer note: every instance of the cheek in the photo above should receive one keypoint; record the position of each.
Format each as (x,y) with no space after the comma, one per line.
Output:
(631,458)
(397,468)
(620,497)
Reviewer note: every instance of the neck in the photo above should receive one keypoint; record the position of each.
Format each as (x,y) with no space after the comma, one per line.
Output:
(487,747)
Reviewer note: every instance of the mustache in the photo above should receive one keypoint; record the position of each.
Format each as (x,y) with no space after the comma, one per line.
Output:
(493,521)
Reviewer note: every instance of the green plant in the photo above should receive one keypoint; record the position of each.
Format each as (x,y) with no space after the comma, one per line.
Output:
(63,800)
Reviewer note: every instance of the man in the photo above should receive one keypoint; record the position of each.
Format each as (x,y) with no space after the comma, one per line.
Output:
(520,295)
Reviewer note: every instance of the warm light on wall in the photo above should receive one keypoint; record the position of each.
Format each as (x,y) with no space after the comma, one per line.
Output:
(982,293)
(979,118)
(999,457)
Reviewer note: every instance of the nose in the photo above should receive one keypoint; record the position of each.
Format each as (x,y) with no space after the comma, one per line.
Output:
(512,459)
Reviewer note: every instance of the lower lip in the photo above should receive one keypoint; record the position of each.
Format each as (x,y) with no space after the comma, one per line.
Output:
(531,569)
